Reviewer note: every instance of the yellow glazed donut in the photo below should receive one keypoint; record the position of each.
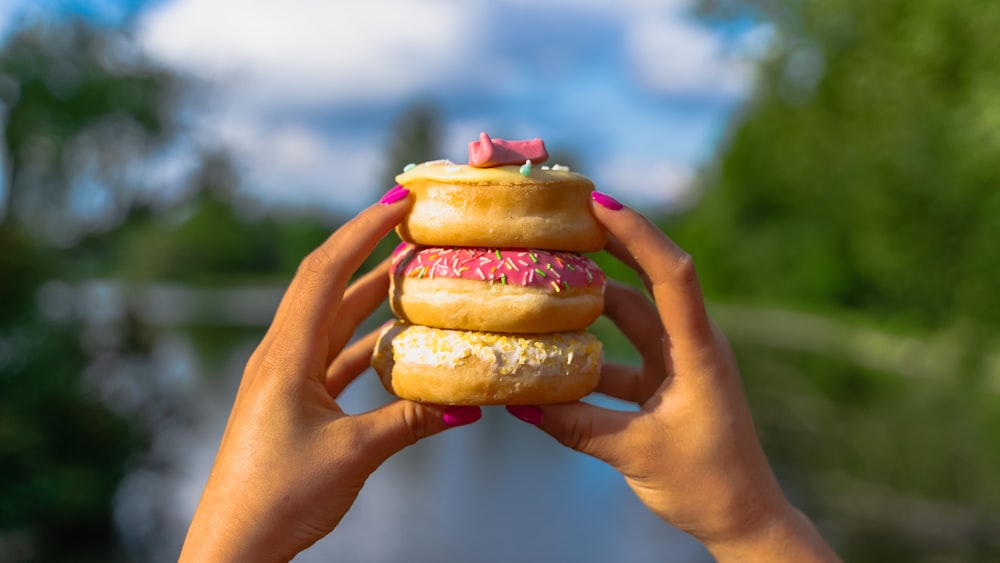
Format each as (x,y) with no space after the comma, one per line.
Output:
(462,205)
(460,367)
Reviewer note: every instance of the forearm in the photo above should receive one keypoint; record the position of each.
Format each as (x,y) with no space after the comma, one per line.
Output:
(791,539)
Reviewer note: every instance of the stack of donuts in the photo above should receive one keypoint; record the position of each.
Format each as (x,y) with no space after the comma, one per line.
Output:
(491,288)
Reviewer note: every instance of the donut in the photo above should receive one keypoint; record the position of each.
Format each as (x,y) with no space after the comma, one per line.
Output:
(506,206)
(492,290)
(461,367)
(496,290)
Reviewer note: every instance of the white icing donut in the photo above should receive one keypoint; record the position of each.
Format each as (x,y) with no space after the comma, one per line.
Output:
(481,368)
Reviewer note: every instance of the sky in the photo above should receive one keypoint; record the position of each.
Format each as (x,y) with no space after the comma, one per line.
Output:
(304,94)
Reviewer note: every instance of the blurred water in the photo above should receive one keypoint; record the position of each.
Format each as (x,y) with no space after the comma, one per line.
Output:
(498,490)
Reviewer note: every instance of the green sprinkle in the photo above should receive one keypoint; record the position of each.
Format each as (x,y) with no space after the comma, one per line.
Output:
(526,168)
(540,272)
(533,256)
(566,285)
(409,167)
(503,279)
(498,254)
(570,267)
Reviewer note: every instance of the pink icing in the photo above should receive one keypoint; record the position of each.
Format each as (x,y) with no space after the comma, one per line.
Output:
(554,270)
(487,153)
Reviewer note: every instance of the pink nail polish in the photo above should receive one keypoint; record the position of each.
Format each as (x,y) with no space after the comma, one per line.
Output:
(606,201)
(460,415)
(395,194)
(528,413)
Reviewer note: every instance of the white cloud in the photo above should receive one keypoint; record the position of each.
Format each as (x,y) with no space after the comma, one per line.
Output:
(639,182)
(671,54)
(274,67)
(298,165)
(312,51)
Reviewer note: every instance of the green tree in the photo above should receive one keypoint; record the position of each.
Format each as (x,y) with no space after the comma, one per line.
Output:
(78,108)
(848,234)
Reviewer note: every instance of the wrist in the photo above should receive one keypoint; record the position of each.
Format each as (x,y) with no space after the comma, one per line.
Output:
(785,536)
(226,527)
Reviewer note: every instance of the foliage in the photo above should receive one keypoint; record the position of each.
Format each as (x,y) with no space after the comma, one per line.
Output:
(861,185)
(80,108)
(62,453)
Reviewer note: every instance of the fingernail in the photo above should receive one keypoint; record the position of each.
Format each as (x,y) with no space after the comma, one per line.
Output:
(606,201)
(460,415)
(528,413)
(395,194)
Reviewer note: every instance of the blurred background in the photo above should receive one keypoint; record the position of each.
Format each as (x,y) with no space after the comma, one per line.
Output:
(832,165)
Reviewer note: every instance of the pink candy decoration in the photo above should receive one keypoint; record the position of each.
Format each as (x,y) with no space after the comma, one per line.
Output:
(487,153)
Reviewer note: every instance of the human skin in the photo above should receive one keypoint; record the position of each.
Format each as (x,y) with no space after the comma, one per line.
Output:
(690,452)
(291,462)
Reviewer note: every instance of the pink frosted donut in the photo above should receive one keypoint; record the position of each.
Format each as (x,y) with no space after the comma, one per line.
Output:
(496,290)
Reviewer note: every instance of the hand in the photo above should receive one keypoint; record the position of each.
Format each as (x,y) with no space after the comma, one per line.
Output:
(291,462)
(690,453)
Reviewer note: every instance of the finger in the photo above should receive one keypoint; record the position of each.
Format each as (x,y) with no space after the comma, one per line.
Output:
(308,308)
(350,363)
(671,274)
(585,428)
(637,318)
(392,427)
(622,382)
(360,301)
(617,249)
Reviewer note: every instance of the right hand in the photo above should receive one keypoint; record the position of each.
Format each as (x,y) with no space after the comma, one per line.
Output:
(690,452)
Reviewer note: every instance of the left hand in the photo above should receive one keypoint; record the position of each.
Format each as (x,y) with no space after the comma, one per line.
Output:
(291,462)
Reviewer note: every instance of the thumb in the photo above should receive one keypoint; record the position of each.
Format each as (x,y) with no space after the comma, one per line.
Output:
(392,427)
(586,428)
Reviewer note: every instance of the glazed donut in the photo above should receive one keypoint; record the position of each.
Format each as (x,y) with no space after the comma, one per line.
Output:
(458,367)
(463,205)
(496,290)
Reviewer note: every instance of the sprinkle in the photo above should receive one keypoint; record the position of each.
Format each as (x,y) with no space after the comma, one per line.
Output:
(503,279)
(555,285)
(498,254)
(534,257)
(566,285)
(526,168)
(409,167)
(512,265)
(570,267)
(523,263)
(540,272)
(479,272)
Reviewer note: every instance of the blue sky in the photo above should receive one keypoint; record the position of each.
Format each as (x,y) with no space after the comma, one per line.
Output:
(303,93)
